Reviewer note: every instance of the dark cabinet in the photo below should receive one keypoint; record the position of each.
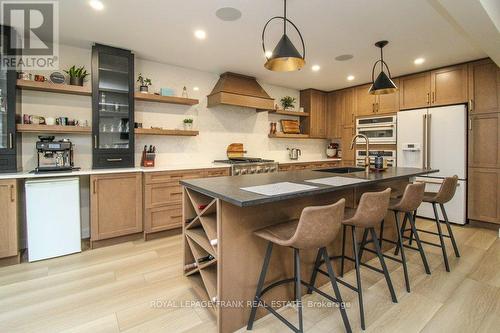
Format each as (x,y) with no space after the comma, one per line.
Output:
(112,107)
(10,146)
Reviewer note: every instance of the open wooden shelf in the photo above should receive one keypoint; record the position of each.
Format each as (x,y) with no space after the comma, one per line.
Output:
(170,132)
(288,136)
(209,277)
(199,236)
(209,224)
(30,128)
(165,99)
(290,113)
(53,87)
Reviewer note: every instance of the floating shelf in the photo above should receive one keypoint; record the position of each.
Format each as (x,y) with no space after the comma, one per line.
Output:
(290,113)
(165,99)
(157,131)
(30,128)
(53,87)
(289,136)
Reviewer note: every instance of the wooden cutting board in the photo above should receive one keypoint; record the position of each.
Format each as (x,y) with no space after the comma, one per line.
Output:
(290,126)
(235,150)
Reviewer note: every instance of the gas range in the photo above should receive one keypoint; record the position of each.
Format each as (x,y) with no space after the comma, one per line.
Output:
(250,165)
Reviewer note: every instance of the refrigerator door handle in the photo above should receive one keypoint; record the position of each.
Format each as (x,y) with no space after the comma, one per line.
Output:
(428,149)
(424,146)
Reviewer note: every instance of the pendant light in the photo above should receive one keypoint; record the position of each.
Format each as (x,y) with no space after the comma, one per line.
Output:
(285,57)
(382,84)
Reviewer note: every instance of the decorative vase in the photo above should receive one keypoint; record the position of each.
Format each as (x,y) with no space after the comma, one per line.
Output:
(76,81)
(331,152)
(143,89)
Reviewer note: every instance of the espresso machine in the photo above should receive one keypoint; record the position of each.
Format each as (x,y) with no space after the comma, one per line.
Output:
(54,155)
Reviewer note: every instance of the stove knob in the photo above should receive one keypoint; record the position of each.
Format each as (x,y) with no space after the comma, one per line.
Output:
(236,172)
(267,169)
(260,170)
(273,169)
(252,170)
(243,172)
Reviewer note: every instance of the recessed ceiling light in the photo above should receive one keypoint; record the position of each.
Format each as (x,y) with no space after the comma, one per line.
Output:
(419,61)
(269,54)
(200,34)
(96,4)
(196,88)
(315,68)
(344,57)
(228,14)
(350,78)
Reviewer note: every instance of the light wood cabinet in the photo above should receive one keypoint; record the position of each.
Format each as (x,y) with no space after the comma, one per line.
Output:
(334,115)
(8,218)
(388,103)
(116,205)
(484,87)
(484,195)
(315,103)
(414,91)
(163,197)
(449,85)
(308,165)
(368,105)
(348,155)
(484,140)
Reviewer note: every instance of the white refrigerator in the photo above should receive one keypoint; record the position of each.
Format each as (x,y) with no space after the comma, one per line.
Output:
(436,138)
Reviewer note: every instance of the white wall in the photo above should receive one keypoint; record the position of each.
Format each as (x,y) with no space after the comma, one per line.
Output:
(218,126)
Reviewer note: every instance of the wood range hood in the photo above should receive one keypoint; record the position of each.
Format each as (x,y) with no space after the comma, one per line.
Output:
(239,90)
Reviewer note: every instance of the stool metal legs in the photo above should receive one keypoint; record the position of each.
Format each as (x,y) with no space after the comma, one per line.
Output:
(260,285)
(298,293)
(358,277)
(441,238)
(450,232)
(403,257)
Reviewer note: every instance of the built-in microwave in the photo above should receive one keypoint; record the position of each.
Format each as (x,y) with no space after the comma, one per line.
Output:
(379,130)
(388,155)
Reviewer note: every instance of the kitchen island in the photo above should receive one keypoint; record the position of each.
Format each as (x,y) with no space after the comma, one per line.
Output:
(220,217)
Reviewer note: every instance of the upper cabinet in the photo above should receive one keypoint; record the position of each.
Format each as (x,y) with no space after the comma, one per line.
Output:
(348,107)
(315,103)
(414,91)
(334,115)
(484,87)
(112,107)
(10,147)
(368,105)
(443,86)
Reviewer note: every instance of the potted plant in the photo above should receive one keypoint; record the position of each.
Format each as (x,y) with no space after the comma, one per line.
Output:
(144,83)
(188,124)
(76,75)
(288,102)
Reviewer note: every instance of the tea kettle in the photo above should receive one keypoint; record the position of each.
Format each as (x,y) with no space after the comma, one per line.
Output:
(294,153)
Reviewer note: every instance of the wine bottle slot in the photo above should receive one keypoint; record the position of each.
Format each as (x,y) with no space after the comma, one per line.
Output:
(202,207)
(190,266)
(206,258)
(189,220)
(214,299)
(213,242)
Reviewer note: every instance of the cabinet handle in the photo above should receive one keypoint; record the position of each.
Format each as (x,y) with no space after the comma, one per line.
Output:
(11,143)
(377,107)
(470,105)
(428,98)
(433,97)
(470,124)
(12,199)
(94,186)
(95,141)
(373,107)
(114,159)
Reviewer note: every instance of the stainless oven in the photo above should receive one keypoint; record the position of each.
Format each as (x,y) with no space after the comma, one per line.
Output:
(380,129)
(388,155)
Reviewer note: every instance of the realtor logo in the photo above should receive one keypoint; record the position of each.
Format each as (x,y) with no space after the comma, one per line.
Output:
(33,39)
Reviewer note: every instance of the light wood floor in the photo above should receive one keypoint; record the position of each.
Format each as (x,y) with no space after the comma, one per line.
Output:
(112,290)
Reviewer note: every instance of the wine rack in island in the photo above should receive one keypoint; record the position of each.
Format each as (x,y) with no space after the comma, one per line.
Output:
(200,245)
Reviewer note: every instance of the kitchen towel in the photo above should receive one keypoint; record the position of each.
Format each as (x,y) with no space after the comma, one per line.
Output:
(278,188)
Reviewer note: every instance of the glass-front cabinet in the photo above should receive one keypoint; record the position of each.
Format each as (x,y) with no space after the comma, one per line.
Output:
(10,148)
(112,107)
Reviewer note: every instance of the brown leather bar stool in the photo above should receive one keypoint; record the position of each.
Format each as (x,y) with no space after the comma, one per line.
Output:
(370,213)
(413,196)
(445,194)
(316,228)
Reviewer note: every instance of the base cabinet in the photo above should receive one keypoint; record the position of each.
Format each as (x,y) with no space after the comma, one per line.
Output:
(8,218)
(163,197)
(115,205)
(484,195)
(308,165)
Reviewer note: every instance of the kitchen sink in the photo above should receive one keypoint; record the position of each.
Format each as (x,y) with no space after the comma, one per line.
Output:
(342,170)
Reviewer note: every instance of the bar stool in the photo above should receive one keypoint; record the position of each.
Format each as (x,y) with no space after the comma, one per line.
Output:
(316,228)
(413,196)
(370,213)
(444,195)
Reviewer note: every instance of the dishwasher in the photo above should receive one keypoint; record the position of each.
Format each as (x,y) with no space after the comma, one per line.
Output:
(53,217)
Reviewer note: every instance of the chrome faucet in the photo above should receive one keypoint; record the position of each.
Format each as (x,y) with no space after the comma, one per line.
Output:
(367,155)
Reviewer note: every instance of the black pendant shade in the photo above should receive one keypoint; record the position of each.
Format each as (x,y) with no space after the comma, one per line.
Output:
(285,57)
(382,84)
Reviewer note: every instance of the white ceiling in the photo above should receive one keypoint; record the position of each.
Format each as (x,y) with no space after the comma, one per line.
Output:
(163,31)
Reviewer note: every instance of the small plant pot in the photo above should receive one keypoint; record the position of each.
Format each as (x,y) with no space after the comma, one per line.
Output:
(188,126)
(76,81)
(143,89)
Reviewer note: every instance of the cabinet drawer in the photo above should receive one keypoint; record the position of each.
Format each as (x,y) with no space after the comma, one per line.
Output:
(162,194)
(217,172)
(104,161)
(171,176)
(163,218)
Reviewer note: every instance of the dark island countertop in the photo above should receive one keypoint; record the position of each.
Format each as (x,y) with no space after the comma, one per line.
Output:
(229,188)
